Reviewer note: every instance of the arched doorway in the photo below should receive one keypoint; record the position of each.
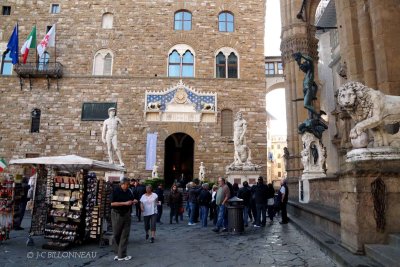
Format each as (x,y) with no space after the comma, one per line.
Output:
(179,155)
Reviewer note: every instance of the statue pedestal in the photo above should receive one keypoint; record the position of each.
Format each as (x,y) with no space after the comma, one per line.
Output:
(243,175)
(313,157)
(358,195)
(113,176)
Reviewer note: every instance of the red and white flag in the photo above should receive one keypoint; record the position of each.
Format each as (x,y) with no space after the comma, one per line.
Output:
(29,43)
(48,40)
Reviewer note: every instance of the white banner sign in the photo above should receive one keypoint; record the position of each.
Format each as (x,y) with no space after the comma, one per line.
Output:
(151,150)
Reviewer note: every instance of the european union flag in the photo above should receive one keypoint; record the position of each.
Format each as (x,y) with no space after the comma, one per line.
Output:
(12,46)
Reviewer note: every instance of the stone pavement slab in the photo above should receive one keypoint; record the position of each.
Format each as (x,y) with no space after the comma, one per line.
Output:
(179,245)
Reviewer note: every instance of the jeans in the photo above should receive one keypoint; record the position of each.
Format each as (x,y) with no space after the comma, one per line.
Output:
(159,212)
(204,215)
(271,212)
(245,215)
(221,222)
(261,212)
(193,207)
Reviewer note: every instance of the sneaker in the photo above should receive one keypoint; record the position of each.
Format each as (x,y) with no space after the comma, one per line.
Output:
(127,258)
(283,222)
(116,258)
(191,224)
(215,230)
(257,226)
(224,230)
(152,240)
(18,228)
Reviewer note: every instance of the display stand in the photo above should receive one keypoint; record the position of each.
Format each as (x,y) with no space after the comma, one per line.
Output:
(68,200)
(6,208)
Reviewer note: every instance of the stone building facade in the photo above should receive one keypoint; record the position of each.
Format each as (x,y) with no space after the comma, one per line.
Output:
(138,39)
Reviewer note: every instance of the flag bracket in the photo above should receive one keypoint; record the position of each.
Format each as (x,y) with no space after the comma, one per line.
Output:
(21,82)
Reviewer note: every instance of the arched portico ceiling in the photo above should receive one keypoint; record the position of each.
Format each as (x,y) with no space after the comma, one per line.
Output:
(279,85)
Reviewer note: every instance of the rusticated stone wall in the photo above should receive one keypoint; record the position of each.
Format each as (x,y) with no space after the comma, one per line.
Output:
(141,37)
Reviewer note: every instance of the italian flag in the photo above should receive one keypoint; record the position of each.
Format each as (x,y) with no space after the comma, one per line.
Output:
(3,165)
(29,43)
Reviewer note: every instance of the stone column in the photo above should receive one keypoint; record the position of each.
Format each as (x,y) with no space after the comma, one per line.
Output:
(297,36)
(349,38)
(385,21)
(358,225)
(366,43)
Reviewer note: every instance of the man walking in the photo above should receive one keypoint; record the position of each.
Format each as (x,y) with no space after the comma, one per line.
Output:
(121,205)
(283,196)
(223,194)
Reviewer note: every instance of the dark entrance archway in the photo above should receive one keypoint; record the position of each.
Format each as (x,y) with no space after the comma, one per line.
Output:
(179,155)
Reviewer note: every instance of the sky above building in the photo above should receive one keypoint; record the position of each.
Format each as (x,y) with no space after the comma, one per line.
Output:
(272,37)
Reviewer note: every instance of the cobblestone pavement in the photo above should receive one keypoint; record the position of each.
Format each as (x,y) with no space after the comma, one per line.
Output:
(178,245)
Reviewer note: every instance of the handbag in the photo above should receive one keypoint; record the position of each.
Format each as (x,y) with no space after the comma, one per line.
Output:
(181,210)
(270,202)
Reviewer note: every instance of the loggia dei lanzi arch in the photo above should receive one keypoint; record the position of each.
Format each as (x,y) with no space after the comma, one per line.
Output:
(368,35)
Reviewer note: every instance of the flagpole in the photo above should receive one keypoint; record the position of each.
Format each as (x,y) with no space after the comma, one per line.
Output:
(36,54)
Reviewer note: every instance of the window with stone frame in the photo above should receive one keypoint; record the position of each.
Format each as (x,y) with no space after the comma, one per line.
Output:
(6,10)
(226,122)
(35,120)
(226,63)
(6,64)
(102,63)
(181,61)
(183,20)
(226,22)
(270,68)
(107,21)
(280,67)
(55,8)
(279,174)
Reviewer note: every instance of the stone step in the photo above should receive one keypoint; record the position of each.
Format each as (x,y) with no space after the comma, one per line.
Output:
(394,240)
(388,256)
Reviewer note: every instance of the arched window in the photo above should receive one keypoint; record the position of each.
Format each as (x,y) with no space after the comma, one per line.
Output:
(103,61)
(44,61)
(183,20)
(226,122)
(226,63)
(181,61)
(6,64)
(35,120)
(226,22)
(221,65)
(107,21)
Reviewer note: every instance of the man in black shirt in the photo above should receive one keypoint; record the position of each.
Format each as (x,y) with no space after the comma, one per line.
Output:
(122,200)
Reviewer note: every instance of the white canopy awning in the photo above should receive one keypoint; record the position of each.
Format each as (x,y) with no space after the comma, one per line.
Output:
(70,162)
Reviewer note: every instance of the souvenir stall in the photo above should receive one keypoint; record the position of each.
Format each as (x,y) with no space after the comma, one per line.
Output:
(69,200)
(6,207)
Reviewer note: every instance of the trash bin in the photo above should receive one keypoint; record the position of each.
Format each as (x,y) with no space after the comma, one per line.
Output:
(235,215)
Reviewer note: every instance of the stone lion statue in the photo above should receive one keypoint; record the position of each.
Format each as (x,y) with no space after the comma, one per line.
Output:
(371,110)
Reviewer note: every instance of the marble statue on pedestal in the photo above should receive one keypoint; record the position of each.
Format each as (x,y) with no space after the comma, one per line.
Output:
(202,172)
(371,111)
(154,172)
(242,154)
(313,156)
(109,135)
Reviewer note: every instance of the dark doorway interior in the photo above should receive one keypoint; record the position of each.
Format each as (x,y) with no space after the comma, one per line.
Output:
(179,153)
